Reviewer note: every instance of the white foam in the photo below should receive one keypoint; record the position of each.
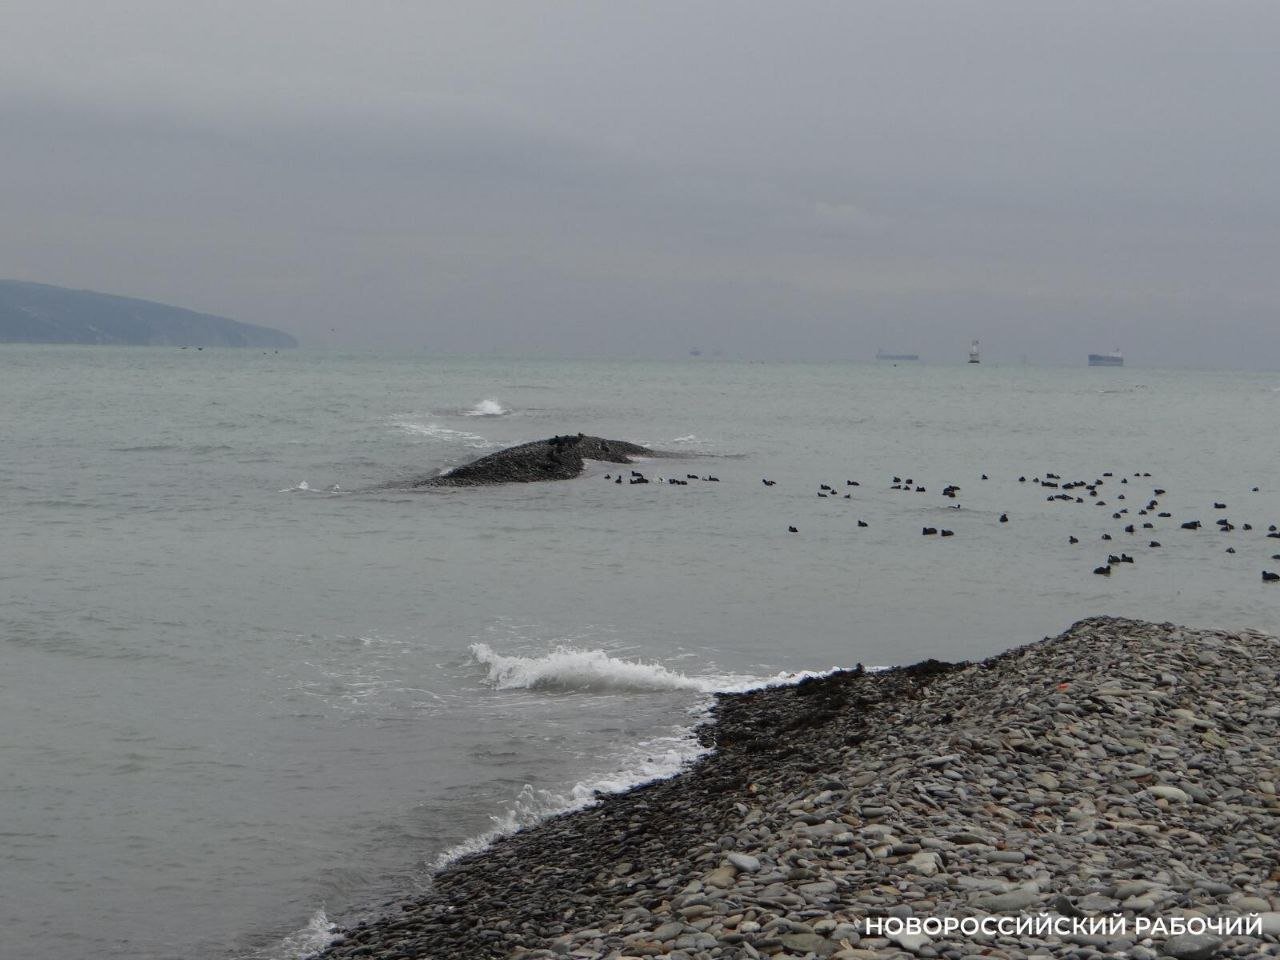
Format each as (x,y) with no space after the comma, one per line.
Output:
(488,408)
(569,668)
(434,431)
(310,941)
(303,487)
(648,761)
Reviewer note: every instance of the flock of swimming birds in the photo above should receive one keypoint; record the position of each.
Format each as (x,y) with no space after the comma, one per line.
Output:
(1068,491)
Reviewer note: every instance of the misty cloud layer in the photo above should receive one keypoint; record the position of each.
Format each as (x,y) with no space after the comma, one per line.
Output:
(810,180)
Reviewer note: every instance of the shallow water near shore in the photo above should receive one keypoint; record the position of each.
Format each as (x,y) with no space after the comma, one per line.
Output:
(248,688)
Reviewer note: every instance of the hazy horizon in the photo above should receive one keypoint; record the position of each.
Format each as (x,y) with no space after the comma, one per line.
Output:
(814,181)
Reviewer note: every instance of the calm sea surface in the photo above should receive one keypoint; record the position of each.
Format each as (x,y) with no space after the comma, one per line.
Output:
(247,688)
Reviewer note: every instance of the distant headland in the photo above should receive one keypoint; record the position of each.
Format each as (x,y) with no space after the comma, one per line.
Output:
(41,313)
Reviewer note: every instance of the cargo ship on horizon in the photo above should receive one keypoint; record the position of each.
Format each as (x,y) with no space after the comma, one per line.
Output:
(1113,359)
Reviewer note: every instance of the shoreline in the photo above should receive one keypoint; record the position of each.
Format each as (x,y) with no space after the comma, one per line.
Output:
(1120,767)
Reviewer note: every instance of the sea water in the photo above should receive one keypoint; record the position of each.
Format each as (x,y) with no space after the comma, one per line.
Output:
(252,684)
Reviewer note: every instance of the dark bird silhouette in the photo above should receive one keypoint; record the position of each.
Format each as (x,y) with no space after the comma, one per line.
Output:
(768,483)
(1269,577)
(1004,518)
(1154,543)
(1191,525)
(948,533)
(1103,571)
(1073,539)
(792,530)
(929,531)
(862,523)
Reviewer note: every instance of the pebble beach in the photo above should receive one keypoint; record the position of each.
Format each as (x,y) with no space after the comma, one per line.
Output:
(1122,768)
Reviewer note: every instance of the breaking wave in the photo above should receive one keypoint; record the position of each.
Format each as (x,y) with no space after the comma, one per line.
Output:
(488,408)
(570,669)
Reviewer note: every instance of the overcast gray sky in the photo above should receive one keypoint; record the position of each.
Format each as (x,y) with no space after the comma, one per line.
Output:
(789,180)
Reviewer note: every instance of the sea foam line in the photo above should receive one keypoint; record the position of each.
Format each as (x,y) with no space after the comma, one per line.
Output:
(434,431)
(650,760)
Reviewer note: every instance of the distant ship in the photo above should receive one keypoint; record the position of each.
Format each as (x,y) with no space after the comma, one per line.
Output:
(973,352)
(881,355)
(1113,359)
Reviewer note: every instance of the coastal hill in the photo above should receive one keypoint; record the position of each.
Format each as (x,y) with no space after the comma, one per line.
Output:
(40,313)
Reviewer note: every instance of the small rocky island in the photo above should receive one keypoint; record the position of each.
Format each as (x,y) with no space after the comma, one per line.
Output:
(557,458)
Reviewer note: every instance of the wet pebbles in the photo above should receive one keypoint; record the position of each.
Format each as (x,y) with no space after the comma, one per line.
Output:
(1122,767)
